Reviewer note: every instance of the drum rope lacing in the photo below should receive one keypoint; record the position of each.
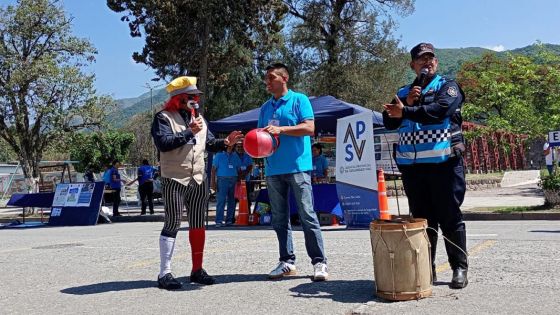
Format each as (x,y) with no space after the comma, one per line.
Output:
(450,242)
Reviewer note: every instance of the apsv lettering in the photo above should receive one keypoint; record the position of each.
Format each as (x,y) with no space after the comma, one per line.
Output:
(352,147)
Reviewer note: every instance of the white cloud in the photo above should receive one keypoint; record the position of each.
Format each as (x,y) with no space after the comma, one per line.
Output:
(496,48)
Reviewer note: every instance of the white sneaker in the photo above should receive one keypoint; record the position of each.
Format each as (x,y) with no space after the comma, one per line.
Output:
(321,272)
(282,269)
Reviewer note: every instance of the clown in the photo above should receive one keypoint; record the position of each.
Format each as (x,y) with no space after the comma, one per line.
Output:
(182,138)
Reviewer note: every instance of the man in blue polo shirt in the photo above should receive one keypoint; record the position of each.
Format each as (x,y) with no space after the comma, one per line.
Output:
(289,115)
(225,167)
(116,185)
(145,186)
(320,172)
(245,169)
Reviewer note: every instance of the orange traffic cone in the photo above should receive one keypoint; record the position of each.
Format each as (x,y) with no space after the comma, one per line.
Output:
(382,195)
(243,216)
(334,220)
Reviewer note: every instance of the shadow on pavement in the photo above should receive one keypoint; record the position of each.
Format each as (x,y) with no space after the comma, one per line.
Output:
(345,291)
(123,286)
(145,284)
(545,231)
(224,279)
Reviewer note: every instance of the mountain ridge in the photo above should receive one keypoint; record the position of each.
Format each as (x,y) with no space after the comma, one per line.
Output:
(450,61)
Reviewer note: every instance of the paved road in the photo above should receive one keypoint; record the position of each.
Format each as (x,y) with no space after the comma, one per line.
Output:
(110,269)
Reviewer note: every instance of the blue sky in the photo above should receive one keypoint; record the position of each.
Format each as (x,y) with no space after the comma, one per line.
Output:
(494,24)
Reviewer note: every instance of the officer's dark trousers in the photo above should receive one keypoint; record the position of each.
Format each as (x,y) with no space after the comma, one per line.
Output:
(116,201)
(146,191)
(435,192)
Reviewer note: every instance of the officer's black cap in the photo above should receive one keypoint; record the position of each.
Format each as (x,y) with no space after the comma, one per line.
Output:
(420,49)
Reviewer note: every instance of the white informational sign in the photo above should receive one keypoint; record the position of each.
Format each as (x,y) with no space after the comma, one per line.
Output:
(86,192)
(56,212)
(73,195)
(60,195)
(384,141)
(355,156)
(554,138)
(356,175)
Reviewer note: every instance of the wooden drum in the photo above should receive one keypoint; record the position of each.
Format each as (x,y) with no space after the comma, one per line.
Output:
(401,259)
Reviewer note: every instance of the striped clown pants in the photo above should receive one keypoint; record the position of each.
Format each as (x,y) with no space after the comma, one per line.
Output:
(176,196)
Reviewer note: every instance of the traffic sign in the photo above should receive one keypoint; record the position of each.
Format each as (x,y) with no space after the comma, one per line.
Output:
(554,138)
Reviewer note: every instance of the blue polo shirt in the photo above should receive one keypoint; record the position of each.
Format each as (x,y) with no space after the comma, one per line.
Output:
(145,173)
(320,164)
(294,153)
(226,164)
(115,183)
(246,161)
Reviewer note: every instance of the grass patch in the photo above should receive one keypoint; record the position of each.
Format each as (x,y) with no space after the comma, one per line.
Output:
(513,209)
(473,176)
(391,181)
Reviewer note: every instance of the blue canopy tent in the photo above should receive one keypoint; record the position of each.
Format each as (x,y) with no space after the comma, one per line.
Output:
(327,110)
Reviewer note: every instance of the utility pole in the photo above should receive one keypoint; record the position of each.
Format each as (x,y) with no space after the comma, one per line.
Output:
(152,115)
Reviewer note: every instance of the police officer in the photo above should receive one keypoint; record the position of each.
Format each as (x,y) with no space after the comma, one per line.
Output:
(427,114)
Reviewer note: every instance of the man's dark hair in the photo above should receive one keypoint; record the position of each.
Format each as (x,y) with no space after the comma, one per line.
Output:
(115,162)
(318,146)
(145,162)
(278,65)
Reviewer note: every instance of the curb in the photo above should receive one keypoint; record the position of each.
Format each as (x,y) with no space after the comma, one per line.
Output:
(467,216)
(121,219)
(490,216)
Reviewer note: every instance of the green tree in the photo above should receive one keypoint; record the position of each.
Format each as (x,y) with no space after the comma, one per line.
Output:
(516,93)
(7,154)
(221,42)
(99,149)
(44,95)
(143,146)
(349,47)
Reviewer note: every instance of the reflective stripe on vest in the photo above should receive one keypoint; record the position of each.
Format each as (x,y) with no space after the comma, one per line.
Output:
(419,143)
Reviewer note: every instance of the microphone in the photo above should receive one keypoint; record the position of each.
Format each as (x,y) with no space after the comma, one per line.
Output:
(194,107)
(422,77)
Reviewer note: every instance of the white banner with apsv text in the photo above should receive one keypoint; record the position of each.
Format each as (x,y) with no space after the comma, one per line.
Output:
(356,177)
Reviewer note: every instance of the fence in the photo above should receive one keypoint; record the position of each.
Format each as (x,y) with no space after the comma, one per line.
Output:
(494,151)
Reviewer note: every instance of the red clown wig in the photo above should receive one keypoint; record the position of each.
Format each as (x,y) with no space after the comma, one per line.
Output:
(174,103)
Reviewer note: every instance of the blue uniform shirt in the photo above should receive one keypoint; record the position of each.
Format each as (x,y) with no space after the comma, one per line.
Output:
(246,161)
(294,153)
(145,173)
(226,164)
(107,177)
(320,164)
(115,183)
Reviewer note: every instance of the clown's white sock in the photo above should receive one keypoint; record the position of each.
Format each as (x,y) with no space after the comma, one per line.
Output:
(166,245)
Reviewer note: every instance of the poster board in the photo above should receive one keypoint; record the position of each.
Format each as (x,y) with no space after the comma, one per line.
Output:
(76,204)
(384,141)
(356,180)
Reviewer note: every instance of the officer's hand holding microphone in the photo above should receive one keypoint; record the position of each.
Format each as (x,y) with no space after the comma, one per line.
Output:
(414,94)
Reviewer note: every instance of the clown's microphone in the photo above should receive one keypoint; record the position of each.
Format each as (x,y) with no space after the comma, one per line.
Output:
(422,77)
(194,107)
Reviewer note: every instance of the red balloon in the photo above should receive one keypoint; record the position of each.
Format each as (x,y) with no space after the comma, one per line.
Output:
(260,144)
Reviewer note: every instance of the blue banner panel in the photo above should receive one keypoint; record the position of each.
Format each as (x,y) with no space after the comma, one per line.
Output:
(76,204)
(360,205)
(40,200)
(325,199)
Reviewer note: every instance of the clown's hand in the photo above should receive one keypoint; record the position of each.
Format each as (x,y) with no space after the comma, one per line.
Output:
(233,137)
